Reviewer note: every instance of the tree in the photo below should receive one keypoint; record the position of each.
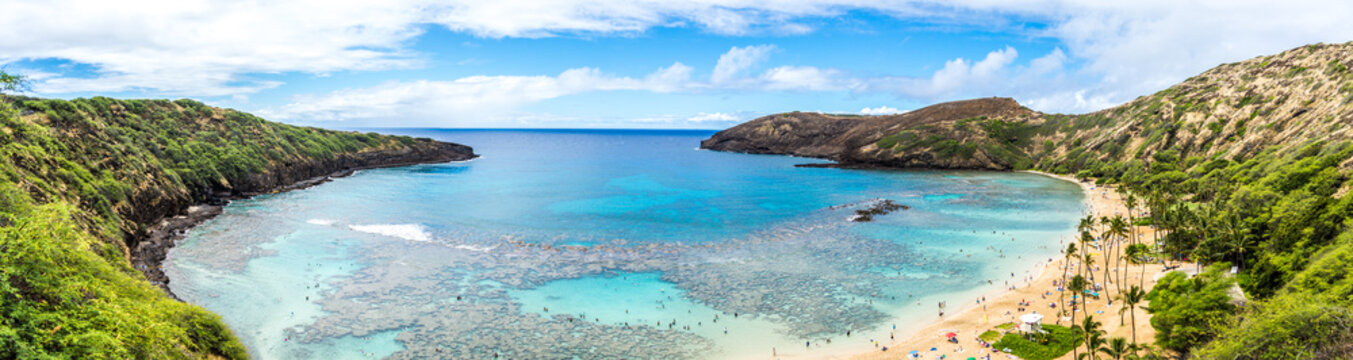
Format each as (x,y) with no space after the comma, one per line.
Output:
(1094,336)
(1116,348)
(1236,232)
(1088,261)
(1130,299)
(1118,229)
(11,82)
(1086,239)
(1070,252)
(1190,311)
(1087,223)
(1076,286)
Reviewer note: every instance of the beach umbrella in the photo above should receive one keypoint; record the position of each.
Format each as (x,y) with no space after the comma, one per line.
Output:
(914,352)
(934,349)
(950,335)
(972,358)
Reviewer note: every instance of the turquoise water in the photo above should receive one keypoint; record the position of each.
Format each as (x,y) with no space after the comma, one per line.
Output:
(606,244)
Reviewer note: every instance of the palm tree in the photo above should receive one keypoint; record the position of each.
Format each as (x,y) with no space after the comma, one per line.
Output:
(1066,256)
(1130,201)
(1117,229)
(1087,223)
(1086,239)
(1094,337)
(1087,261)
(1076,286)
(1104,221)
(1135,295)
(1137,254)
(1116,348)
(1237,231)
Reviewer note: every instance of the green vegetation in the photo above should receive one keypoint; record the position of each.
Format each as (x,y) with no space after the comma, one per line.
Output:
(1058,341)
(78,177)
(61,299)
(1244,166)
(1189,311)
(1003,143)
(1278,213)
(1248,164)
(1276,217)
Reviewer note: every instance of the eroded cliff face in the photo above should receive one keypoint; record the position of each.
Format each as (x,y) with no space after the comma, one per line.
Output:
(1234,111)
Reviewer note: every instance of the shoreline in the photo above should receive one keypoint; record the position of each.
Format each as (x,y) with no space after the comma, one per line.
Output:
(973,319)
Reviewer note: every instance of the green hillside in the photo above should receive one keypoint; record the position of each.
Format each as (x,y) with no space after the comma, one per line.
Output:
(80,181)
(1246,165)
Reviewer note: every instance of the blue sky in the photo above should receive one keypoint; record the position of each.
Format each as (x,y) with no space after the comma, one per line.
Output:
(635,63)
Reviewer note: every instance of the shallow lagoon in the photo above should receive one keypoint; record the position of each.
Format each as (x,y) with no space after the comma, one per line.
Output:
(602,244)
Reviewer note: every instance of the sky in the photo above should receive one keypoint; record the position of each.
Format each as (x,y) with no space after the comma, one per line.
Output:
(704,64)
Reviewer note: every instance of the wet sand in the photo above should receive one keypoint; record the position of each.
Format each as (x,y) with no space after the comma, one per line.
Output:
(969,319)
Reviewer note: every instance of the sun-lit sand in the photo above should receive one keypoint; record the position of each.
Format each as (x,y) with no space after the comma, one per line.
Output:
(972,319)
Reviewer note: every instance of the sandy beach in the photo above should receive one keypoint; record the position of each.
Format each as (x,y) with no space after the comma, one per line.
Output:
(971,319)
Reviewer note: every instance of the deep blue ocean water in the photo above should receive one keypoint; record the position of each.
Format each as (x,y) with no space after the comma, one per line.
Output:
(610,243)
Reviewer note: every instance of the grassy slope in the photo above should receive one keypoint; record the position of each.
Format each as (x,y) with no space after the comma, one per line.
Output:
(75,179)
(1248,163)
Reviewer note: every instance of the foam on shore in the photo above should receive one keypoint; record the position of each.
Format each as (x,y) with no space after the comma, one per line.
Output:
(412,232)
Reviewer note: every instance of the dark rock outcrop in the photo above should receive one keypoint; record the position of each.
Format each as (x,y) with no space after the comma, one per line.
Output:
(850,140)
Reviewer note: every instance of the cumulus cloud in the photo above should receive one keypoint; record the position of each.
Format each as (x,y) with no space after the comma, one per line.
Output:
(803,78)
(479,100)
(473,98)
(738,59)
(960,74)
(203,48)
(881,110)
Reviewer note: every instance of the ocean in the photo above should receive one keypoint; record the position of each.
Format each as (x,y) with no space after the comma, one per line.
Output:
(581,244)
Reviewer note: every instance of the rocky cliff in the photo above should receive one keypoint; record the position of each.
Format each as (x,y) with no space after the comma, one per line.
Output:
(927,136)
(94,191)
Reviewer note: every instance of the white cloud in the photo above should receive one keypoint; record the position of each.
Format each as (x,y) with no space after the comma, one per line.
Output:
(489,100)
(1049,63)
(1121,49)
(669,79)
(473,100)
(803,78)
(713,117)
(737,60)
(203,48)
(959,74)
(881,110)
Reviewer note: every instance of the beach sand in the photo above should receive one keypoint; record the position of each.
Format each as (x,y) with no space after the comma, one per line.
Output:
(1000,308)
